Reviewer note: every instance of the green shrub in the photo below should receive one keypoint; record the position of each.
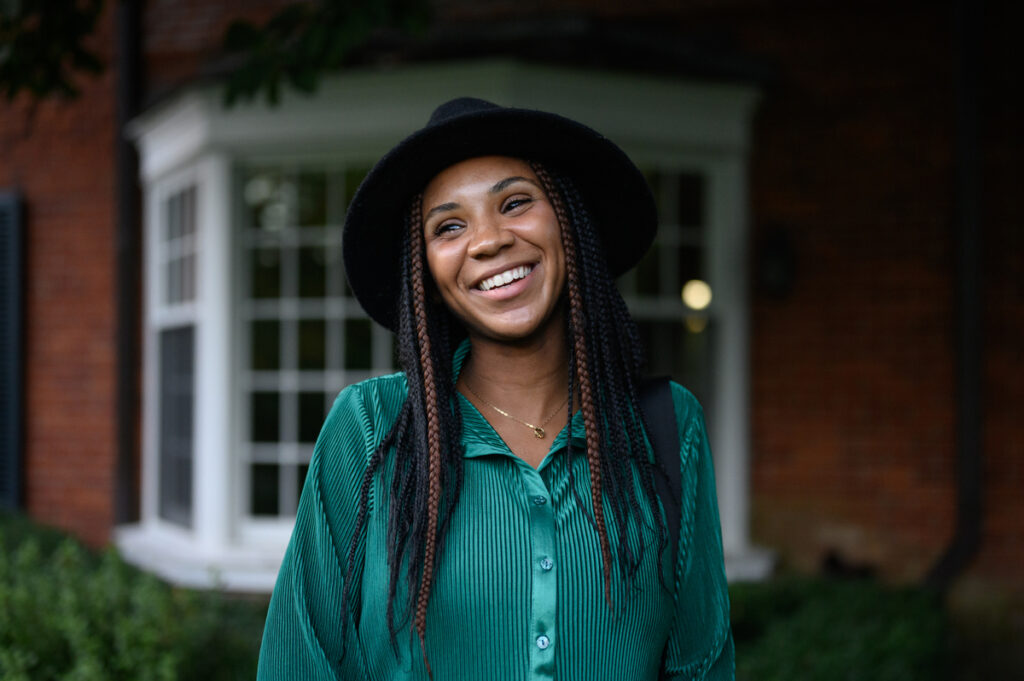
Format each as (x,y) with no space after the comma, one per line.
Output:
(836,630)
(66,613)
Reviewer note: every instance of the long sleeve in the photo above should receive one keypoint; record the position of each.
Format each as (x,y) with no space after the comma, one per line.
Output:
(303,637)
(700,645)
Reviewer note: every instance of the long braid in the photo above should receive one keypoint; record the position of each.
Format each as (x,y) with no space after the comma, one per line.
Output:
(621,359)
(433,426)
(607,334)
(582,374)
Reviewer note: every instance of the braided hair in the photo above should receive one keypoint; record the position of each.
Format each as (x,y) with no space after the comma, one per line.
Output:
(605,360)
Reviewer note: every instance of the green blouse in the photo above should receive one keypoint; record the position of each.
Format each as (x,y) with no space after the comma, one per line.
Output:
(519,591)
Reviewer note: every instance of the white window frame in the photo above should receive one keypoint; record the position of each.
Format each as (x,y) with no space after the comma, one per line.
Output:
(355,118)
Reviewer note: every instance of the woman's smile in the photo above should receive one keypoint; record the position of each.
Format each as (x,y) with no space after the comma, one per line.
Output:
(505,278)
(494,247)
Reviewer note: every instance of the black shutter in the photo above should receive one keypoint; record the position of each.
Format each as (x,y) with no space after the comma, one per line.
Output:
(11,389)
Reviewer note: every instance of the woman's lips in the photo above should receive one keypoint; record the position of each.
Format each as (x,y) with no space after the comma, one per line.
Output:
(510,290)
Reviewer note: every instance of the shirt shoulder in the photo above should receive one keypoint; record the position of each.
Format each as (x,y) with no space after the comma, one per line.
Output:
(689,412)
(368,403)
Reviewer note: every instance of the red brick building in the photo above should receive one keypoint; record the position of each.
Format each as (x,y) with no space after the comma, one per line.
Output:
(828,168)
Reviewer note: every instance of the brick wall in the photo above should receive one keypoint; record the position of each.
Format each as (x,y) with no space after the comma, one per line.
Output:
(182,35)
(60,156)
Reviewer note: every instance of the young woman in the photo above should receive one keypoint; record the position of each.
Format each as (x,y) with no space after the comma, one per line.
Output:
(491,512)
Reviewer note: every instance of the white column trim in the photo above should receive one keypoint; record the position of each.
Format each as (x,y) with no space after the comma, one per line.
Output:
(212,482)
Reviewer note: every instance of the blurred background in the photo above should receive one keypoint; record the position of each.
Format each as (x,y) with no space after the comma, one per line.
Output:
(838,277)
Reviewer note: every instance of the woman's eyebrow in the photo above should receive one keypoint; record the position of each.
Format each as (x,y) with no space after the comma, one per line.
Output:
(444,207)
(511,180)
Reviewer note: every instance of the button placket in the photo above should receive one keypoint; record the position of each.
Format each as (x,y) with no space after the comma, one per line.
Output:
(544,576)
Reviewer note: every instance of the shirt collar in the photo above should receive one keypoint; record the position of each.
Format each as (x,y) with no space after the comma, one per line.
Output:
(480,439)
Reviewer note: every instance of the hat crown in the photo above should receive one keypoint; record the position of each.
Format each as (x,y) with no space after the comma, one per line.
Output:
(455,108)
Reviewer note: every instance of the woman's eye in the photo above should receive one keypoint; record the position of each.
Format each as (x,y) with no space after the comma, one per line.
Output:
(446,227)
(516,202)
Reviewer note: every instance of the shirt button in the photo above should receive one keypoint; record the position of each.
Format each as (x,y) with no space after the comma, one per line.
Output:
(543,642)
(540,500)
(546,564)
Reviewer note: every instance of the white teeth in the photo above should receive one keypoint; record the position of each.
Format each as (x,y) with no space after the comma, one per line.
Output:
(504,278)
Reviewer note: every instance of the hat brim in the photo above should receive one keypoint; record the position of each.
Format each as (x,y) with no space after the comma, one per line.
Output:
(613,188)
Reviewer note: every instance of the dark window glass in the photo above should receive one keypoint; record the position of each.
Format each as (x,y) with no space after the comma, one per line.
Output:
(174,226)
(311,415)
(682,351)
(266,272)
(648,273)
(691,263)
(303,471)
(691,200)
(266,344)
(312,344)
(312,272)
(358,344)
(312,199)
(265,417)
(177,402)
(265,491)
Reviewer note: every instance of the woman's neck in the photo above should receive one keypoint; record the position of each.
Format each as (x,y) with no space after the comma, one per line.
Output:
(530,377)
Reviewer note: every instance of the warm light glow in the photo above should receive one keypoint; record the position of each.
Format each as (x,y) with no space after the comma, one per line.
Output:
(695,324)
(696,294)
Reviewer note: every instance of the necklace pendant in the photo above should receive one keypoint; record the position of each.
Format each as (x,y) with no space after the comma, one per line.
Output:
(539,432)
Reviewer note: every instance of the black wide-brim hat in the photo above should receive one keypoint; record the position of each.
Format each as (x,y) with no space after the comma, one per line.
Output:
(612,187)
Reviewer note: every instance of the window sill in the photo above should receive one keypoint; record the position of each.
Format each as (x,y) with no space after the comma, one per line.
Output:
(175,556)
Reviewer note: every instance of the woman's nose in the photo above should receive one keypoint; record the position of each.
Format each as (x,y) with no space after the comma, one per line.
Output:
(488,238)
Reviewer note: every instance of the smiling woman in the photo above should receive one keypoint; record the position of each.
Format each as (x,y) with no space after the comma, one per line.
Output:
(495,502)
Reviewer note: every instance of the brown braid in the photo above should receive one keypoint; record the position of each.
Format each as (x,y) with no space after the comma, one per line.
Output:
(588,403)
(433,425)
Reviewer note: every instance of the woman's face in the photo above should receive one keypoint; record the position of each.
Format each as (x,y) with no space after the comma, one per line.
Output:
(494,248)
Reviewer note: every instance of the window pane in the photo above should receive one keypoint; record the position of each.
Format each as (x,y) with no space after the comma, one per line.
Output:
(312,344)
(691,200)
(303,471)
(266,344)
(312,190)
(265,417)
(681,351)
(173,228)
(312,272)
(358,344)
(648,277)
(188,277)
(311,415)
(269,199)
(188,210)
(177,401)
(173,281)
(266,273)
(265,493)
(690,265)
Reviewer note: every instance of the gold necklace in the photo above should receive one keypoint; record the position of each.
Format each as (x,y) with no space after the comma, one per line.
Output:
(538,431)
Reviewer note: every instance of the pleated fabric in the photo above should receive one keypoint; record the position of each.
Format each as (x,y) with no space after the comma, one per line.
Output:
(519,592)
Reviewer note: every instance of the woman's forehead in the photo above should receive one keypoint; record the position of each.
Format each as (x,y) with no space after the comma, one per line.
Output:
(479,169)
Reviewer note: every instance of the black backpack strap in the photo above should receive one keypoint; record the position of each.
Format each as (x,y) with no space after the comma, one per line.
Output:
(663,432)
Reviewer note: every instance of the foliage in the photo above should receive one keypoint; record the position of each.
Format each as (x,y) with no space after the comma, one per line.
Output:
(66,613)
(43,45)
(302,41)
(844,630)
